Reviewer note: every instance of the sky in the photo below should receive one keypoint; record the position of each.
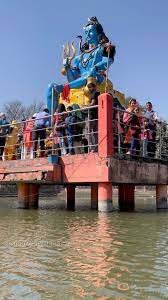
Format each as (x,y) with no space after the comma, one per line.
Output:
(32,33)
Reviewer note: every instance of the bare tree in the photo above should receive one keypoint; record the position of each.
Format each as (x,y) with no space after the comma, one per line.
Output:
(14,110)
(33,108)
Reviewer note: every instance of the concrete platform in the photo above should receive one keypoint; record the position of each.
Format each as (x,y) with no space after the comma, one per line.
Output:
(84,169)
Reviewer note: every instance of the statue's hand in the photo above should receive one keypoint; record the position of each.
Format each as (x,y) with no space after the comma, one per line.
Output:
(66,62)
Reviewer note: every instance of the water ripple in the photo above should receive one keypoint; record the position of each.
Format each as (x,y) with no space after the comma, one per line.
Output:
(58,255)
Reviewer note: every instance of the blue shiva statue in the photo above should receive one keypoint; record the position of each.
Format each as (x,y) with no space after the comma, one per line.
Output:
(95,57)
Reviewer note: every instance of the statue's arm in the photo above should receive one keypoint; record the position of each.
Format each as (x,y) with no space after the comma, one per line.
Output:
(103,64)
(107,53)
(75,65)
(72,70)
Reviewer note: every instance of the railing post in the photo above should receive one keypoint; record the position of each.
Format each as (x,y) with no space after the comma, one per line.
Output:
(105,125)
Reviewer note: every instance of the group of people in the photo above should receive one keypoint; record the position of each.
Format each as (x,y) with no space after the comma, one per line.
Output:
(72,131)
(69,131)
(136,130)
(75,130)
(19,139)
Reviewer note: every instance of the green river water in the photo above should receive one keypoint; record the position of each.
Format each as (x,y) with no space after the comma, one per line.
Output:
(51,253)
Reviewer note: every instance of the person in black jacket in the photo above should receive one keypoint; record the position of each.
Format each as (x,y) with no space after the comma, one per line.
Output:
(70,129)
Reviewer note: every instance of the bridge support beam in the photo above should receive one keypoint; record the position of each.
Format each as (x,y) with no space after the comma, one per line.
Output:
(94,196)
(70,197)
(105,197)
(126,197)
(161,196)
(23,195)
(33,195)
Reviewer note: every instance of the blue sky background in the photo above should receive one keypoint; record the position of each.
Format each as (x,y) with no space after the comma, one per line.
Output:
(32,33)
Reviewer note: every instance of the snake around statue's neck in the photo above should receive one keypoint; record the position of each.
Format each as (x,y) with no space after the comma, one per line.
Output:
(84,62)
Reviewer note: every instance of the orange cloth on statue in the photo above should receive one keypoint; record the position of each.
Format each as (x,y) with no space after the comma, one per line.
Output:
(66,93)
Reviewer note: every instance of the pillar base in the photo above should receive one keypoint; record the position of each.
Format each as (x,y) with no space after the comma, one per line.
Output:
(161,196)
(126,197)
(23,195)
(22,205)
(105,206)
(94,196)
(28,195)
(71,197)
(105,197)
(33,195)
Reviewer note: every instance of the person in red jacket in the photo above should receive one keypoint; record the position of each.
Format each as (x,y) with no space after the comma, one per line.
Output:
(28,139)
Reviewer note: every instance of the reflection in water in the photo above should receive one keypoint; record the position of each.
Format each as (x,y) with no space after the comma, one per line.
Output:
(54,254)
(91,242)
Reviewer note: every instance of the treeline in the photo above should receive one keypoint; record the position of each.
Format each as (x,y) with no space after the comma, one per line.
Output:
(16,110)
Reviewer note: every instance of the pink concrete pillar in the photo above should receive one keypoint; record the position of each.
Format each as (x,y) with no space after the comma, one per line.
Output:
(105,197)
(161,196)
(126,197)
(70,197)
(105,125)
(94,196)
(33,195)
(23,195)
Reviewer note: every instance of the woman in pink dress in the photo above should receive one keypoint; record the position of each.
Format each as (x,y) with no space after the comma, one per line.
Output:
(132,125)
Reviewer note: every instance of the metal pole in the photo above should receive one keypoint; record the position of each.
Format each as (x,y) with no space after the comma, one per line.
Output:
(107,71)
(89,138)
(160,142)
(52,118)
(118,129)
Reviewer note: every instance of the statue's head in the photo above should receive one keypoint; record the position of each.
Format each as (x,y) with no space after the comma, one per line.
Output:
(91,34)
(94,33)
